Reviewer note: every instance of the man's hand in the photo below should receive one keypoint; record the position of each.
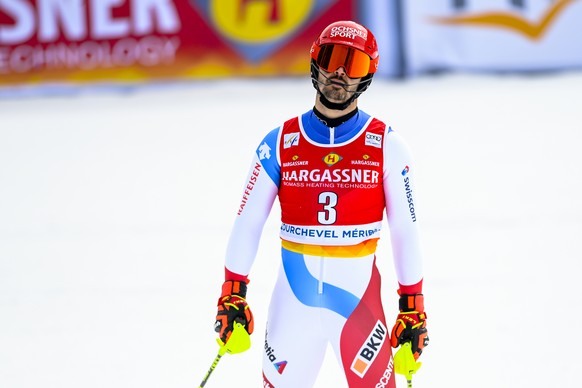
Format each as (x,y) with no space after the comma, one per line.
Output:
(411,324)
(232,306)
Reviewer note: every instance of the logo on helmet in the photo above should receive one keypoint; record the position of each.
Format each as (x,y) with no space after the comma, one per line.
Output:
(348,32)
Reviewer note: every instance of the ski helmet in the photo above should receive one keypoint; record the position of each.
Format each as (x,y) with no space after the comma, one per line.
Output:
(349,45)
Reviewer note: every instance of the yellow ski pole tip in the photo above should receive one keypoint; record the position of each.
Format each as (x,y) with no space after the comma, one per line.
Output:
(404,362)
(238,342)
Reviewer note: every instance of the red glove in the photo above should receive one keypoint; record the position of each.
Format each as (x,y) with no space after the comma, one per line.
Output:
(232,306)
(411,324)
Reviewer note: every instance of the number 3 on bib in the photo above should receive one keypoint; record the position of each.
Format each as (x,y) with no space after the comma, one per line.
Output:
(329,214)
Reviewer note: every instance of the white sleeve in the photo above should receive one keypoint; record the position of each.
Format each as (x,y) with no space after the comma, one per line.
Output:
(257,200)
(402,215)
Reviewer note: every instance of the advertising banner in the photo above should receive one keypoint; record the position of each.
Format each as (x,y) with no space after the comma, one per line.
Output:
(492,35)
(85,41)
(382,17)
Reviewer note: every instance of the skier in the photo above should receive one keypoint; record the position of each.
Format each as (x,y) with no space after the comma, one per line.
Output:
(335,170)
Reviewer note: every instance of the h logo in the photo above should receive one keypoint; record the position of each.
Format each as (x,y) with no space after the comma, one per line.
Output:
(274,16)
(331,159)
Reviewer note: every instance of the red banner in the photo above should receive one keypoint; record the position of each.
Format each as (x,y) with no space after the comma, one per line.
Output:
(62,41)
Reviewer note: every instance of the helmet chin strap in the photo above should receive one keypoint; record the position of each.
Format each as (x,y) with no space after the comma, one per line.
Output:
(362,85)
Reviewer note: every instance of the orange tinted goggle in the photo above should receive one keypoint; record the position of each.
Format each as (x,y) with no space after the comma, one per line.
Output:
(356,62)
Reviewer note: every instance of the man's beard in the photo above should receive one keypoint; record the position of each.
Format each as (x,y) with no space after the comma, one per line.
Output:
(336,94)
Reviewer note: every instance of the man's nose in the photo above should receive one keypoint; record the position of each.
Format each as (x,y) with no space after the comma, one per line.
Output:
(340,71)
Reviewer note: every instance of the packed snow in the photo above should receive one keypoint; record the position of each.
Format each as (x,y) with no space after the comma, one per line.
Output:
(116,207)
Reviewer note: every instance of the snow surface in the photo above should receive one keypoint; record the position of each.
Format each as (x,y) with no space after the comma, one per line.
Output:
(115,210)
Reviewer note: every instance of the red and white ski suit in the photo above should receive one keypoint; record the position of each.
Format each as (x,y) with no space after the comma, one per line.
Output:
(334,185)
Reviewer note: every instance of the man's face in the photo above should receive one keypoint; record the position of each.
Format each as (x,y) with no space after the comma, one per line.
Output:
(337,86)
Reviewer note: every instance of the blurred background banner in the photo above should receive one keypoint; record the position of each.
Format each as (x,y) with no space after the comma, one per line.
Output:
(492,35)
(88,41)
(70,42)
(384,19)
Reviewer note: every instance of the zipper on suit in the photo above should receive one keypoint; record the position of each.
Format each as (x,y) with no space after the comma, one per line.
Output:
(320,277)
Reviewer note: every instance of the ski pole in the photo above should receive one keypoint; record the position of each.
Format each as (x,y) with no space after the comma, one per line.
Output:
(214,363)
(405,364)
(238,342)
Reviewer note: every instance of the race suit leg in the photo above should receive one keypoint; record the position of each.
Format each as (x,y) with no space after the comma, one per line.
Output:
(294,345)
(319,300)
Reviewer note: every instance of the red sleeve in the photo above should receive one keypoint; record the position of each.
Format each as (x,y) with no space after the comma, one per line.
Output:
(411,289)
(228,275)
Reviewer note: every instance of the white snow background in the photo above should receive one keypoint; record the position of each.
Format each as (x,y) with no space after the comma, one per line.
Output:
(116,207)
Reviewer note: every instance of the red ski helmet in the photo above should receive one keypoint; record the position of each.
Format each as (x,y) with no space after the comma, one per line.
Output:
(347,44)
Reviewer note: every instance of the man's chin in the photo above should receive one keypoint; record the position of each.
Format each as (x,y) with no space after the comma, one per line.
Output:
(334,99)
